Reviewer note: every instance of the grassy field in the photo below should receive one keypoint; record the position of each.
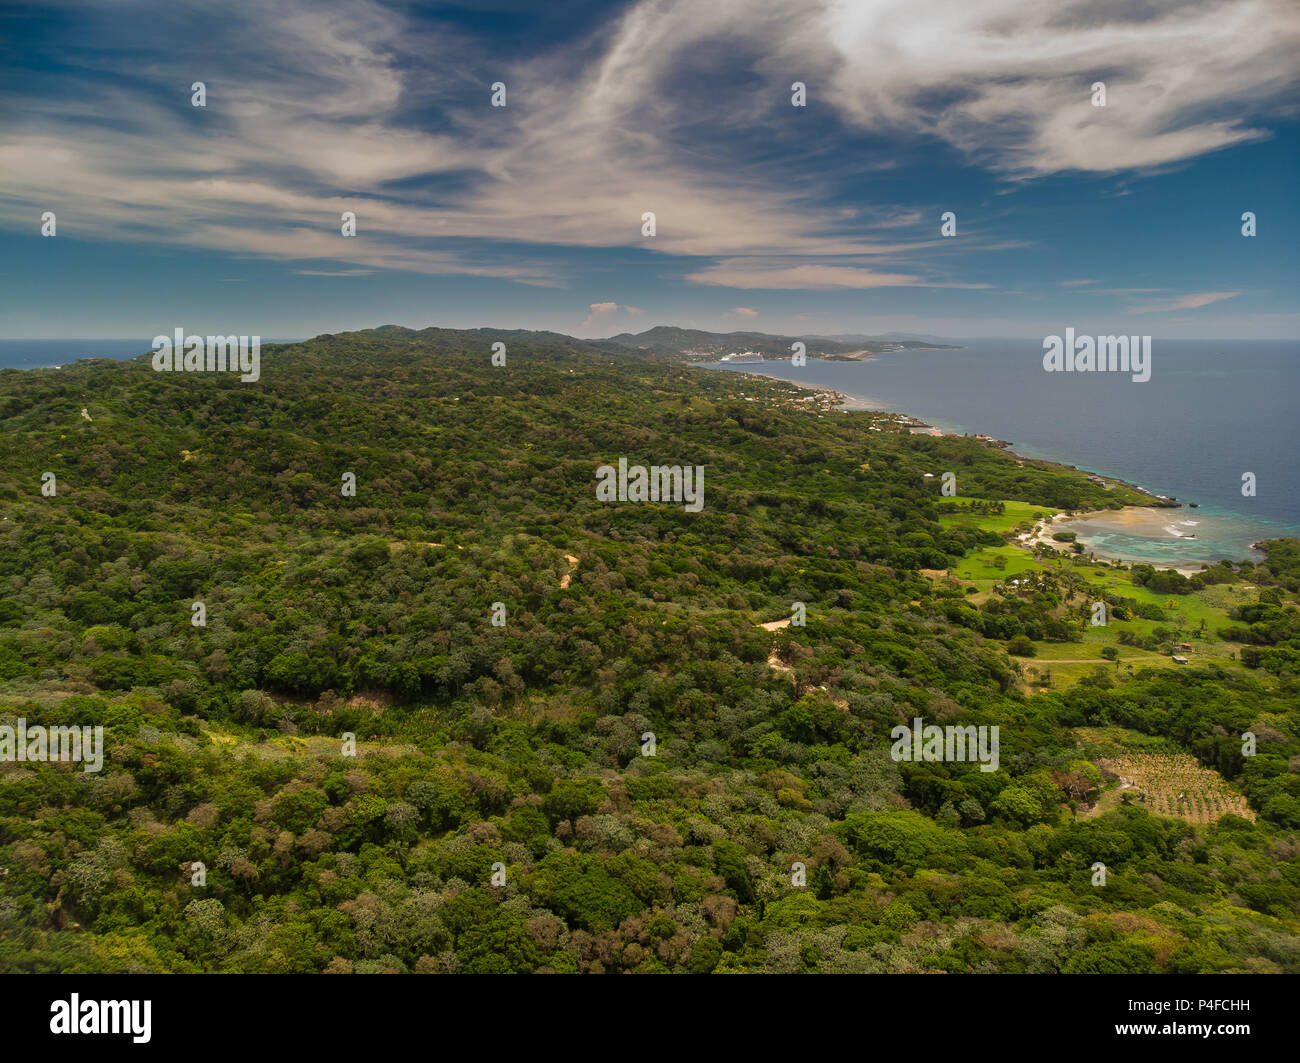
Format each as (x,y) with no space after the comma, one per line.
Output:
(993,564)
(1192,618)
(1016,514)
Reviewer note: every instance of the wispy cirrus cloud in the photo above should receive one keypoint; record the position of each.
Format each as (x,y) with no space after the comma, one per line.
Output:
(317,108)
(1014,86)
(1183,302)
(760,273)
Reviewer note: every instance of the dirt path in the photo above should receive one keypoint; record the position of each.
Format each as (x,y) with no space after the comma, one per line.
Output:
(1042,533)
(1096,660)
(568,576)
(1069,660)
(772,659)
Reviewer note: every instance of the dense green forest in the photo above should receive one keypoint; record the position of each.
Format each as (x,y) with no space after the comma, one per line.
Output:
(502,644)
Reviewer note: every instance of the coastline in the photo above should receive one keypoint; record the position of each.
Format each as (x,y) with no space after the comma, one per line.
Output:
(1135,521)
(841,401)
(1132,520)
(865,404)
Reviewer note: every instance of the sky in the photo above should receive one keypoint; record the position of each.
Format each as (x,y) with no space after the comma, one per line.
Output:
(820,219)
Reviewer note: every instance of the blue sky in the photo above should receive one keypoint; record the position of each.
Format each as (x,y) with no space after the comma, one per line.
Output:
(815,220)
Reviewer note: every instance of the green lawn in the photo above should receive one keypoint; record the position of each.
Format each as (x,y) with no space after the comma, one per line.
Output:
(982,567)
(1016,513)
(1070,661)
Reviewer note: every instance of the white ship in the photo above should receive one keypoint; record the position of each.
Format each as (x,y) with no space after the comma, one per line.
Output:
(745,356)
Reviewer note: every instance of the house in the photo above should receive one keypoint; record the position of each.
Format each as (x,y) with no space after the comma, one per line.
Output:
(1180,660)
(1184,645)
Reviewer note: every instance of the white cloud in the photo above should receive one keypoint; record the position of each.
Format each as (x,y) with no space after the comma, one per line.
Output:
(602,314)
(308,116)
(1009,81)
(762,273)
(1184,302)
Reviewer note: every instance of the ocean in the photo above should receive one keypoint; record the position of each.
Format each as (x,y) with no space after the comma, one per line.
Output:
(42,354)
(1212,411)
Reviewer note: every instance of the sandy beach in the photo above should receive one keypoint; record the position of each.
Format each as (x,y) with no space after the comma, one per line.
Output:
(1169,536)
(1145,522)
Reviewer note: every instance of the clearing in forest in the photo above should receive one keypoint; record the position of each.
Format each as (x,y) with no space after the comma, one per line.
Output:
(772,659)
(1171,784)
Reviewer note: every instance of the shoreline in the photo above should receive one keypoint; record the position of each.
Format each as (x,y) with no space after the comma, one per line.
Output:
(863,404)
(847,403)
(1043,530)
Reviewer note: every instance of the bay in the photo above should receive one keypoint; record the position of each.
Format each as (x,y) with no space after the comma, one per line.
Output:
(1211,411)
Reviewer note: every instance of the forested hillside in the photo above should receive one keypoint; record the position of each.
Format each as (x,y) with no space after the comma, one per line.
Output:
(576,746)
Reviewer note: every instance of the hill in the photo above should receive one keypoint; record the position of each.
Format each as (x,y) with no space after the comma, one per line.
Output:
(694,344)
(664,339)
(448,710)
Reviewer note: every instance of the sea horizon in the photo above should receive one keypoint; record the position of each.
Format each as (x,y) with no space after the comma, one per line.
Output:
(53,354)
(912,382)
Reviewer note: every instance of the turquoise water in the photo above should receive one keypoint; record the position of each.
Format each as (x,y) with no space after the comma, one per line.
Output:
(1218,534)
(1211,411)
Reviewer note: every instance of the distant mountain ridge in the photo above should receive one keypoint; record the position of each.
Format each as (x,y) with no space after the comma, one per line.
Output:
(662,341)
(668,339)
(887,337)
